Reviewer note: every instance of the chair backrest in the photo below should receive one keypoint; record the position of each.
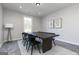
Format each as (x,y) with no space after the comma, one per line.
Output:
(31,38)
(24,35)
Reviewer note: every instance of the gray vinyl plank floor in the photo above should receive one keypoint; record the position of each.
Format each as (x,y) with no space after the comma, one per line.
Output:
(10,48)
(17,48)
(56,50)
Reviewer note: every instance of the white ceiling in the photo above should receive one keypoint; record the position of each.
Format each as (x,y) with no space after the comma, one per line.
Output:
(33,10)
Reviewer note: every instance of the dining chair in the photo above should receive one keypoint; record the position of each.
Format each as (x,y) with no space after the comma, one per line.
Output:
(54,41)
(33,43)
(53,38)
(25,38)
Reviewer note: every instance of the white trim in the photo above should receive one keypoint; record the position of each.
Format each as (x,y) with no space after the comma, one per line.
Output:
(16,39)
(73,43)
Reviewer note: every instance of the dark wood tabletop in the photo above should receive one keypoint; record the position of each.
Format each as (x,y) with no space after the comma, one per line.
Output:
(44,34)
(46,38)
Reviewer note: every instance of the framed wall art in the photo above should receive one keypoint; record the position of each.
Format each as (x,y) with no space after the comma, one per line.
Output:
(57,23)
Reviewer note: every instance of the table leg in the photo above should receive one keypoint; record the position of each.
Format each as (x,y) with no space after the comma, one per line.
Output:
(46,44)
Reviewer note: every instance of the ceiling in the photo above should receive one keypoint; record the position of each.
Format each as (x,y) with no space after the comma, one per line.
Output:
(33,10)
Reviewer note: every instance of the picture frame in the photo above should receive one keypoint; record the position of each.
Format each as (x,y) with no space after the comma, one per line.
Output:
(57,23)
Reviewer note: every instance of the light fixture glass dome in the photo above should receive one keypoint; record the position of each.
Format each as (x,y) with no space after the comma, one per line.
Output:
(37,4)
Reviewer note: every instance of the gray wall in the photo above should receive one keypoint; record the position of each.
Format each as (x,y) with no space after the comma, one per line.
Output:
(1,24)
(17,19)
(36,24)
(70,24)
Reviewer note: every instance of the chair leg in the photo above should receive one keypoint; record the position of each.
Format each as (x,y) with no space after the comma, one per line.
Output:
(24,43)
(34,47)
(54,42)
(32,50)
(28,47)
(27,44)
(38,48)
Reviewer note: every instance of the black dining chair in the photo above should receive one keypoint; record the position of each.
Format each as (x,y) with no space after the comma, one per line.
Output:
(53,38)
(33,43)
(25,38)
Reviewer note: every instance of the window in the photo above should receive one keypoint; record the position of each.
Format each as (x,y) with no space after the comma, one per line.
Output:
(27,24)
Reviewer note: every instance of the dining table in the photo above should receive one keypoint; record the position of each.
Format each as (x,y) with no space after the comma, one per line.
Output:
(46,39)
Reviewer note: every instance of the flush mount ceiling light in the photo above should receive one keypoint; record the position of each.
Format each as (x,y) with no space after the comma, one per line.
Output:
(37,4)
(20,6)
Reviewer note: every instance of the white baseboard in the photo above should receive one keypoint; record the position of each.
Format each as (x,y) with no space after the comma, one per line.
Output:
(73,43)
(16,39)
